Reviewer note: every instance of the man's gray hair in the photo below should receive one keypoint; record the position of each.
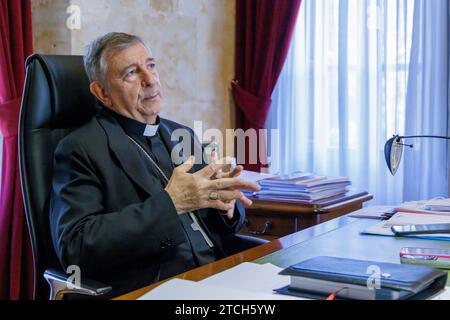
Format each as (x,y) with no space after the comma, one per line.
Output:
(101,48)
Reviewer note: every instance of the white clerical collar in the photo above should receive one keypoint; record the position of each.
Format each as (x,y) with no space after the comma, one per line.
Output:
(150,130)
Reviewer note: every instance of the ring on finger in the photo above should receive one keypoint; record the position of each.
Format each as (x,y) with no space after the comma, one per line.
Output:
(213,195)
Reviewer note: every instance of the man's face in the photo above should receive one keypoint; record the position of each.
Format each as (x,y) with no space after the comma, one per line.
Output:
(132,85)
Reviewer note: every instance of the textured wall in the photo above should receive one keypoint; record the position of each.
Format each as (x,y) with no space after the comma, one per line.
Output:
(192,40)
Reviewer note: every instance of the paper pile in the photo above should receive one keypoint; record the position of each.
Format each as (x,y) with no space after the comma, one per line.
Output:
(301,187)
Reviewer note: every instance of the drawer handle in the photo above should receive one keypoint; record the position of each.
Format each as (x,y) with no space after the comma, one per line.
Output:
(267,226)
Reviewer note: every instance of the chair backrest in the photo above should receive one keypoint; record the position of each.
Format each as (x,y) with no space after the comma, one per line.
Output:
(56,100)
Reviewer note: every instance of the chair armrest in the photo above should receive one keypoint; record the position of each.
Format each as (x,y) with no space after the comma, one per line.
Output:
(239,242)
(251,241)
(60,285)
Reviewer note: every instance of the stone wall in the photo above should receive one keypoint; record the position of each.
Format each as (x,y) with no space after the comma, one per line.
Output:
(192,40)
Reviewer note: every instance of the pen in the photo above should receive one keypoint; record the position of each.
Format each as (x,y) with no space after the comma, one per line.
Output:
(334,294)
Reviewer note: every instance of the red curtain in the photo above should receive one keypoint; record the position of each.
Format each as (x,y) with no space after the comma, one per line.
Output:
(264,30)
(16,264)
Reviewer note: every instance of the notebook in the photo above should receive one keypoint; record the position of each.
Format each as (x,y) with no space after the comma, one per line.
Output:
(361,279)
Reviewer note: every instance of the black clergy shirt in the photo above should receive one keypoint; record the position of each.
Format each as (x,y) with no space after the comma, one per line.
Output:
(194,251)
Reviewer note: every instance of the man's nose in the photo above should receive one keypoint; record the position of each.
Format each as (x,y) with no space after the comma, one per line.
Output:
(149,78)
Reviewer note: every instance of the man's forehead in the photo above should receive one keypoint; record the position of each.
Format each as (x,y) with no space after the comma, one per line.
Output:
(135,54)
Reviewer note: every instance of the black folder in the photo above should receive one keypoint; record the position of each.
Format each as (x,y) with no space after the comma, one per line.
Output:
(322,276)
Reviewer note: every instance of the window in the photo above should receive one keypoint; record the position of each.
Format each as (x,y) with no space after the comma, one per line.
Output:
(344,91)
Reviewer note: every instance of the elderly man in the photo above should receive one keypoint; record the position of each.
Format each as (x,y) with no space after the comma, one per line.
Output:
(120,209)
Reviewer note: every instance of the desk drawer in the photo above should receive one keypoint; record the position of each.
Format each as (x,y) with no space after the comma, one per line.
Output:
(269,225)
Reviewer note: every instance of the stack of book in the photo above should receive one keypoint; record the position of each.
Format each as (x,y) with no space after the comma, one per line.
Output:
(301,187)
(334,277)
(438,204)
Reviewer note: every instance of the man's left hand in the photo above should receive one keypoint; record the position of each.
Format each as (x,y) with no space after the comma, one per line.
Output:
(232,174)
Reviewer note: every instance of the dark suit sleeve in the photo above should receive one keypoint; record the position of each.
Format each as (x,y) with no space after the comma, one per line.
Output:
(84,234)
(225,226)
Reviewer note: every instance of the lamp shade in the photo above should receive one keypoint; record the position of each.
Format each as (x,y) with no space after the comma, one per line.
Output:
(393,150)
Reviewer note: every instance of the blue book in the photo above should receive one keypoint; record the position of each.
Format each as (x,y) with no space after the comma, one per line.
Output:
(344,278)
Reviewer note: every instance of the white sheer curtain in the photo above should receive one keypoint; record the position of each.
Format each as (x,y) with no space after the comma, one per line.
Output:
(353,68)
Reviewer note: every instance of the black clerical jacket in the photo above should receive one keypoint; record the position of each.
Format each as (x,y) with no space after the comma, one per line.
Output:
(111,216)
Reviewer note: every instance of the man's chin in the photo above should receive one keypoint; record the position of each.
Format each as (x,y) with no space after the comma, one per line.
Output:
(150,110)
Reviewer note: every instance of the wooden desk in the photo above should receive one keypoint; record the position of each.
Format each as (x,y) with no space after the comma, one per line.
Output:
(339,237)
(246,256)
(274,219)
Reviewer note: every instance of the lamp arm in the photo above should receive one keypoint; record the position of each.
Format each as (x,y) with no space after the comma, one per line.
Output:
(439,137)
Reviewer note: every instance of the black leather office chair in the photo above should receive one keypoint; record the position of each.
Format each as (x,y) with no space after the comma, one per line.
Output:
(55,89)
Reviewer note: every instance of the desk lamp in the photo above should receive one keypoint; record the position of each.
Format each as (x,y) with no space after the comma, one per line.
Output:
(393,150)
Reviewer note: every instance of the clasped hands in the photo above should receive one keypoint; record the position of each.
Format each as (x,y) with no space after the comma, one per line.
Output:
(211,187)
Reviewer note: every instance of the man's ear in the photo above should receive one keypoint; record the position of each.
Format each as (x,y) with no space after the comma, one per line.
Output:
(98,90)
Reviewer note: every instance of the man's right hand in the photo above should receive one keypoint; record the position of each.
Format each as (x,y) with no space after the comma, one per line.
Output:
(192,191)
